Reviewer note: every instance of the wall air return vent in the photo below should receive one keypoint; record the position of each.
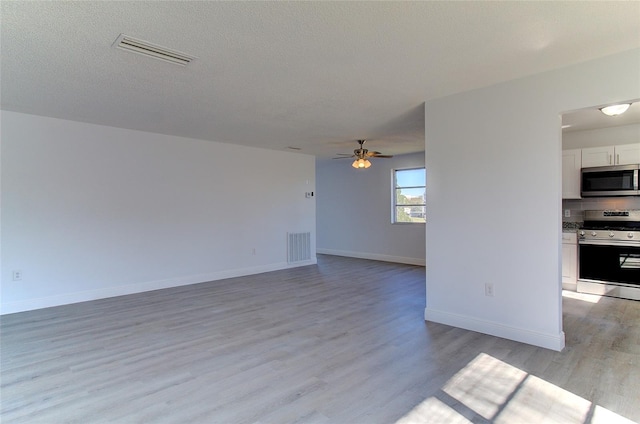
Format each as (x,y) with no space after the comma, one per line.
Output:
(298,247)
(135,45)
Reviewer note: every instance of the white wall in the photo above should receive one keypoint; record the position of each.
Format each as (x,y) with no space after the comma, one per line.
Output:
(625,134)
(91,211)
(354,212)
(493,159)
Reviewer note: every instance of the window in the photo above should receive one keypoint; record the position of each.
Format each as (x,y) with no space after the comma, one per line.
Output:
(409,195)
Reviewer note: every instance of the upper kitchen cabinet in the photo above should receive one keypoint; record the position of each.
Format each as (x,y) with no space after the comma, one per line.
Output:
(597,156)
(571,164)
(625,154)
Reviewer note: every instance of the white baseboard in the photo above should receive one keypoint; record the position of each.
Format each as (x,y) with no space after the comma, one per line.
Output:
(84,296)
(373,256)
(548,341)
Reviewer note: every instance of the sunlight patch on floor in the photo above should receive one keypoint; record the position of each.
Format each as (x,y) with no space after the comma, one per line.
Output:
(539,401)
(492,390)
(484,385)
(433,410)
(591,298)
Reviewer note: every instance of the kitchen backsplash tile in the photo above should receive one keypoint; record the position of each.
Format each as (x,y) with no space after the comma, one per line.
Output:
(578,206)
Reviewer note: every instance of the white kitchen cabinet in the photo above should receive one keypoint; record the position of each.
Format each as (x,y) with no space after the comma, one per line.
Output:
(571,164)
(569,261)
(624,154)
(597,156)
(627,154)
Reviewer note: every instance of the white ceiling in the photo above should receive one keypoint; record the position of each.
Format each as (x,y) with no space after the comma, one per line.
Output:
(592,118)
(314,75)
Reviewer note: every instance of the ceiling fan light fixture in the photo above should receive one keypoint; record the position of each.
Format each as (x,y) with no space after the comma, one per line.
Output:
(615,110)
(361,156)
(361,163)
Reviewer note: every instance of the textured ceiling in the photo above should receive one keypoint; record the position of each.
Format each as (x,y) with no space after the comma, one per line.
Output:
(314,75)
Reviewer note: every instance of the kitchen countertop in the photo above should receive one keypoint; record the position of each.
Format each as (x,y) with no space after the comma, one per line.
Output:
(570,227)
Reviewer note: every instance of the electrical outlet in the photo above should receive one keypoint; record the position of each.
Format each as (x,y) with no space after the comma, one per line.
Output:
(16,275)
(488,289)
(567,213)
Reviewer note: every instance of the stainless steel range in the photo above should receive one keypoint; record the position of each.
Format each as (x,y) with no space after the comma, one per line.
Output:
(609,253)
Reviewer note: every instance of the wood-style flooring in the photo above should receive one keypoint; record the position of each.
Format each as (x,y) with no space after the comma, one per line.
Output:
(341,342)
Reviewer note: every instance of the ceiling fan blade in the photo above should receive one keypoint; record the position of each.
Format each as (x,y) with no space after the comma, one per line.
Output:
(362,153)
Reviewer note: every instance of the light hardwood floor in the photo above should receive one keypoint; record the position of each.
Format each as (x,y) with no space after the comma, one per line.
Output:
(341,342)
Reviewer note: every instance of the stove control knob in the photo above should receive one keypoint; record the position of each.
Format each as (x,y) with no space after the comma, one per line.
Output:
(611,234)
(581,233)
(593,233)
(630,235)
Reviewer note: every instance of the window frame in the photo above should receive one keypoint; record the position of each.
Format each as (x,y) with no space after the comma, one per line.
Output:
(394,187)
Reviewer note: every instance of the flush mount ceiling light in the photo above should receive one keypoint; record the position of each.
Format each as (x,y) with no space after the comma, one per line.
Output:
(614,110)
(145,48)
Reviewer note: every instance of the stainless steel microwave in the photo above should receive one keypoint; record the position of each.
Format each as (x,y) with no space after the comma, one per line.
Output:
(603,181)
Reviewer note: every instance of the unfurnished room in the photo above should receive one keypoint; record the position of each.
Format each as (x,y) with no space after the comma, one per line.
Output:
(319,212)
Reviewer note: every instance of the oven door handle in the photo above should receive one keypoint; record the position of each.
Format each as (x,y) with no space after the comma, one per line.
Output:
(634,243)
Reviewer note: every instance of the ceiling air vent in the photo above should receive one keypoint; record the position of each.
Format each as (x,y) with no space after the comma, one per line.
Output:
(142,47)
